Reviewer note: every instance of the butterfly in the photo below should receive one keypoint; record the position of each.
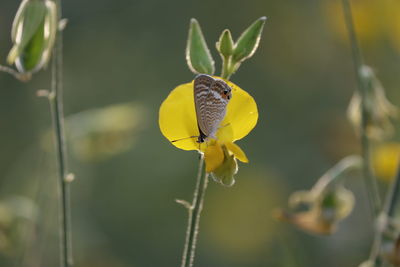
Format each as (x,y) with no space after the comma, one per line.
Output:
(211,96)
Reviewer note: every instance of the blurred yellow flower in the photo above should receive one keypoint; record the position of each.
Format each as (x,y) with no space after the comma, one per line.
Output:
(177,120)
(385,160)
(374,20)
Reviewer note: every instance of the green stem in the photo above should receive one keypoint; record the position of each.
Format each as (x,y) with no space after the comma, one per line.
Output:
(370,181)
(392,200)
(337,172)
(225,68)
(194,216)
(391,203)
(56,106)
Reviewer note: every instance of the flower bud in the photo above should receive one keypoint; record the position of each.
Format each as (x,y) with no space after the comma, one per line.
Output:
(225,44)
(33,35)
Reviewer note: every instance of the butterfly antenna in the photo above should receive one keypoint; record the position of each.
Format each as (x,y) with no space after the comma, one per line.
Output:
(225,125)
(173,141)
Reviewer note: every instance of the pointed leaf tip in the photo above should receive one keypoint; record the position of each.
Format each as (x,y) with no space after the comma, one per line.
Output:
(198,55)
(248,42)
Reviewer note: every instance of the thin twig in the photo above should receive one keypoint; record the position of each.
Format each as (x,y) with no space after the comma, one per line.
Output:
(56,106)
(24,77)
(337,172)
(194,216)
(370,181)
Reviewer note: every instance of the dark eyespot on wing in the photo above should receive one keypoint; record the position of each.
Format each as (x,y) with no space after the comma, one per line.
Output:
(221,87)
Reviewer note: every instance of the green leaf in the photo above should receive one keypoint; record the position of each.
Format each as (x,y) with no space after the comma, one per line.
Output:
(225,44)
(198,55)
(248,41)
(29,17)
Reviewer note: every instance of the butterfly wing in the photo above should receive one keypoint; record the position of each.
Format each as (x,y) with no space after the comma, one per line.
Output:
(210,97)
(217,100)
(202,85)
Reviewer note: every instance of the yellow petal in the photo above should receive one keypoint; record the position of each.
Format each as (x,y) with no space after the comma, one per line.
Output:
(225,133)
(177,118)
(237,152)
(214,156)
(241,114)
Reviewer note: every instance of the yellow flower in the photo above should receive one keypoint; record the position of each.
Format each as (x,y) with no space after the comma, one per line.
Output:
(385,160)
(177,120)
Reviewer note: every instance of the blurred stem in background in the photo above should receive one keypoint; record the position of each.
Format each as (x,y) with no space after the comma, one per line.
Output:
(370,181)
(37,34)
(56,106)
(194,214)
(388,213)
(383,215)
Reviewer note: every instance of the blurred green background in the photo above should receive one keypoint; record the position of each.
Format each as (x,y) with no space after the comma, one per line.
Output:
(127,179)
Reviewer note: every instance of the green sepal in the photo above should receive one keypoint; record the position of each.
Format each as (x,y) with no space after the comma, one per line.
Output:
(248,42)
(225,44)
(198,55)
(51,21)
(225,173)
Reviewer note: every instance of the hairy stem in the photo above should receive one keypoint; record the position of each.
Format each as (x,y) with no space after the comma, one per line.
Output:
(225,67)
(194,216)
(370,181)
(56,106)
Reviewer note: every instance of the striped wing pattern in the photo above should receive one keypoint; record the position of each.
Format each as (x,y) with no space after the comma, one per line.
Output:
(211,96)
